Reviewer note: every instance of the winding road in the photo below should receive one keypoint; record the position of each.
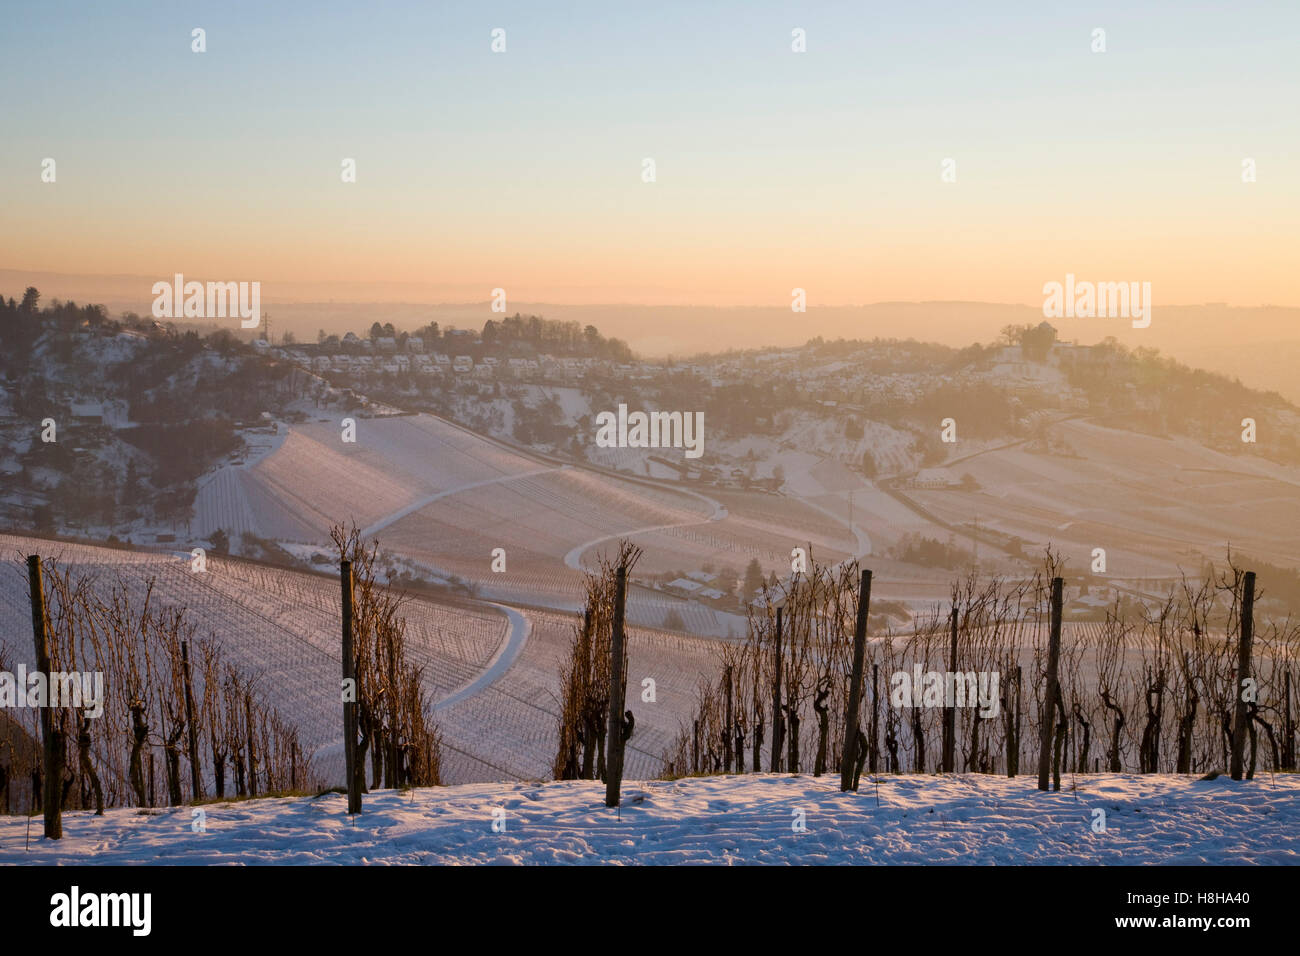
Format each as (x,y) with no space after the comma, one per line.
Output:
(518,629)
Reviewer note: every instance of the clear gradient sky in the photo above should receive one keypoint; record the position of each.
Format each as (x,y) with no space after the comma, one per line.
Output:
(775,169)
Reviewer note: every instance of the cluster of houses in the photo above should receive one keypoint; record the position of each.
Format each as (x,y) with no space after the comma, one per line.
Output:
(851,383)
(383,355)
(696,584)
(857,381)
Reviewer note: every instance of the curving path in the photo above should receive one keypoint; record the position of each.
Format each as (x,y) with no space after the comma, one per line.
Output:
(573,558)
(427,500)
(518,629)
(860,536)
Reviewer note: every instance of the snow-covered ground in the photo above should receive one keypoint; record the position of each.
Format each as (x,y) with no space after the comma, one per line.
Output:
(961,819)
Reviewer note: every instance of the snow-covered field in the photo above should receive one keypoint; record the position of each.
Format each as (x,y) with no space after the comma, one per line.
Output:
(961,819)
(1154,504)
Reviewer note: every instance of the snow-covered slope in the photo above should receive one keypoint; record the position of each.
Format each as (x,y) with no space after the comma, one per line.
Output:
(967,818)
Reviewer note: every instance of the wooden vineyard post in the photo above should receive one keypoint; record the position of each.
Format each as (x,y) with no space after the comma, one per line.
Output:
(778,724)
(1288,726)
(1013,730)
(617,696)
(252,743)
(349,693)
(1240,714)
(1053,688)
(873,745)
(950,712)
(848,762)
(196,785)
(51,740)
(727,727)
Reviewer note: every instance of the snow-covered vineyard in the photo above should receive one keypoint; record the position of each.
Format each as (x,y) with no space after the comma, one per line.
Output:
(490,672)
(1110,819)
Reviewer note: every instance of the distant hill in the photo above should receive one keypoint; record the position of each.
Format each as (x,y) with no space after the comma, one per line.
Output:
(1257,344)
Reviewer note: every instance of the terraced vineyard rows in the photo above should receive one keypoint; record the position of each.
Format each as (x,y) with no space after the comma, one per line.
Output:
(282,626)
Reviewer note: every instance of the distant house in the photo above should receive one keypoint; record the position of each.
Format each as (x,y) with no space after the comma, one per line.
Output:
(463,363)
(415,344)
(386,343)
(441,358)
